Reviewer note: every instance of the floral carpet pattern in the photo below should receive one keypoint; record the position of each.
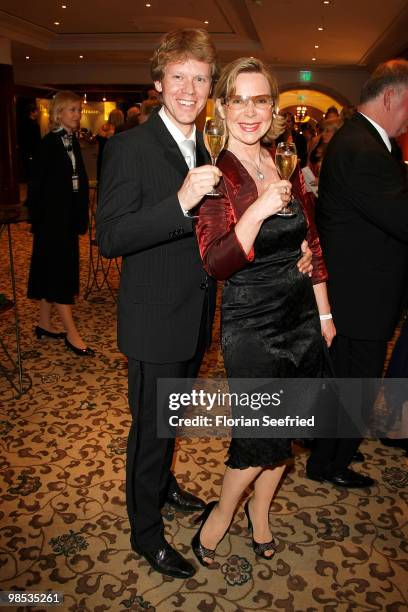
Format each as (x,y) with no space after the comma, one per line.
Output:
(63,522)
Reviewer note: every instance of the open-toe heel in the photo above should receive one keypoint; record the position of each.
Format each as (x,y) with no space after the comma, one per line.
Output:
(200,551)
(259,548)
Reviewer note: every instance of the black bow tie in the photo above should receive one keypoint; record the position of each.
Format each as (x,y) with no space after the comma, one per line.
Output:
(67,138)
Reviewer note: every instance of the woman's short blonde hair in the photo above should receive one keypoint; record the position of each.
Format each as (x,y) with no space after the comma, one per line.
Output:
(60,101)
(225,87)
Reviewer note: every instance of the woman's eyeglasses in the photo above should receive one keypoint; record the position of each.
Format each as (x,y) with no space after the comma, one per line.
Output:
(239,102)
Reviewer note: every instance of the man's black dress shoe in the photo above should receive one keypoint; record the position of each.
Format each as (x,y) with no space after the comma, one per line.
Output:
(346,478)
(166,560)
(184,501)
(357,457)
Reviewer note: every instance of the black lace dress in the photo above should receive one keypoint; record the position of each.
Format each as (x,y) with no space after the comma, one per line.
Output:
(269,317)
(270,325)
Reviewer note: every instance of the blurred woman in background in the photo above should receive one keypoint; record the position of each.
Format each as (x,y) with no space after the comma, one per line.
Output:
(328,127)
(107,130)
(58,206)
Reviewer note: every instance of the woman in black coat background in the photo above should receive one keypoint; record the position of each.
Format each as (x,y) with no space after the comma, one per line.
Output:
(58,205)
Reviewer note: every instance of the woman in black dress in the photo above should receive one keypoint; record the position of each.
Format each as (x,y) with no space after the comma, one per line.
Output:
(270,310)
(58,205)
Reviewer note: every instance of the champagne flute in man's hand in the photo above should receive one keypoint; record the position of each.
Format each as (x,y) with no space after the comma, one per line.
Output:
(215,135)
(285,162)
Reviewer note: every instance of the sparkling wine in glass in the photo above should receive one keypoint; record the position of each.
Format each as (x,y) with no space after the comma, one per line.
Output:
(285,162)
(215,135)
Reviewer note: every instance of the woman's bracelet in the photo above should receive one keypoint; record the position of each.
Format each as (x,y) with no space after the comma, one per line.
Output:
(326,317)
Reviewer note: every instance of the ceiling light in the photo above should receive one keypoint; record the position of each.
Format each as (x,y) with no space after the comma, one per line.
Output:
(27,57)
(81,57)
(56,22)
(313,59)
(316,46)
(63,6)
(320,28)
(206,21)
(148,4)
(103,99)
(326,1)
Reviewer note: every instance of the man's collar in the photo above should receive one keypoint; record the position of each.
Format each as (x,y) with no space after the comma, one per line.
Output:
(380,130)
(173,129)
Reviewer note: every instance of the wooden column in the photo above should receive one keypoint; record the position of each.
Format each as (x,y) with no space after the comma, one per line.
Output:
(9,189)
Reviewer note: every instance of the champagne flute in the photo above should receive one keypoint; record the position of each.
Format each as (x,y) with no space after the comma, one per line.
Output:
(215,136)
(285,161)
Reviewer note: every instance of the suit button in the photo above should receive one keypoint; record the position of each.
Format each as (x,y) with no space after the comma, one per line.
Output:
(204,285)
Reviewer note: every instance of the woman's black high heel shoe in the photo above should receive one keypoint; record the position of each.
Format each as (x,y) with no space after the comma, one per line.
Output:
(260,548)
(40,332)
(198,549)
(85,352)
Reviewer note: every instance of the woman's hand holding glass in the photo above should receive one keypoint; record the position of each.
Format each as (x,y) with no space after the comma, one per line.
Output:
(273,199)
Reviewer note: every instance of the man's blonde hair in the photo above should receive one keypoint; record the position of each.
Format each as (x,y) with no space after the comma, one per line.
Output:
(181,45)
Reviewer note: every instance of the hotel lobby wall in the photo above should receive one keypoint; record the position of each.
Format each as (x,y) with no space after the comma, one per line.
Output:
(346,82)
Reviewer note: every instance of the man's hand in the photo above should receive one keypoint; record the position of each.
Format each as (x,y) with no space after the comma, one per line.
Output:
(197,183)
(305,262)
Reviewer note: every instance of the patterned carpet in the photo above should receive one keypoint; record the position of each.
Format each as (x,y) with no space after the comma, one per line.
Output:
(63,523)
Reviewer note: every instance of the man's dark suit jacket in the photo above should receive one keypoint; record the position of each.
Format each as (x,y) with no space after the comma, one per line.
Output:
(163,284)
(362,219)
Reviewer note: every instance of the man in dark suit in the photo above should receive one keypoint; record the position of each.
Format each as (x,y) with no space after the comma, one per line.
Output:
(152,177)
(132,120)
(362,217)
(30,138)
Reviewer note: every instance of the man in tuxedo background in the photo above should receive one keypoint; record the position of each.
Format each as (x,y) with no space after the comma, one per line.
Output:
(152,177)
(362,219)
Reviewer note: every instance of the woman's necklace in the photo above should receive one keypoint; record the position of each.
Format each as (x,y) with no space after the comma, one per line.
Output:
(259,174)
